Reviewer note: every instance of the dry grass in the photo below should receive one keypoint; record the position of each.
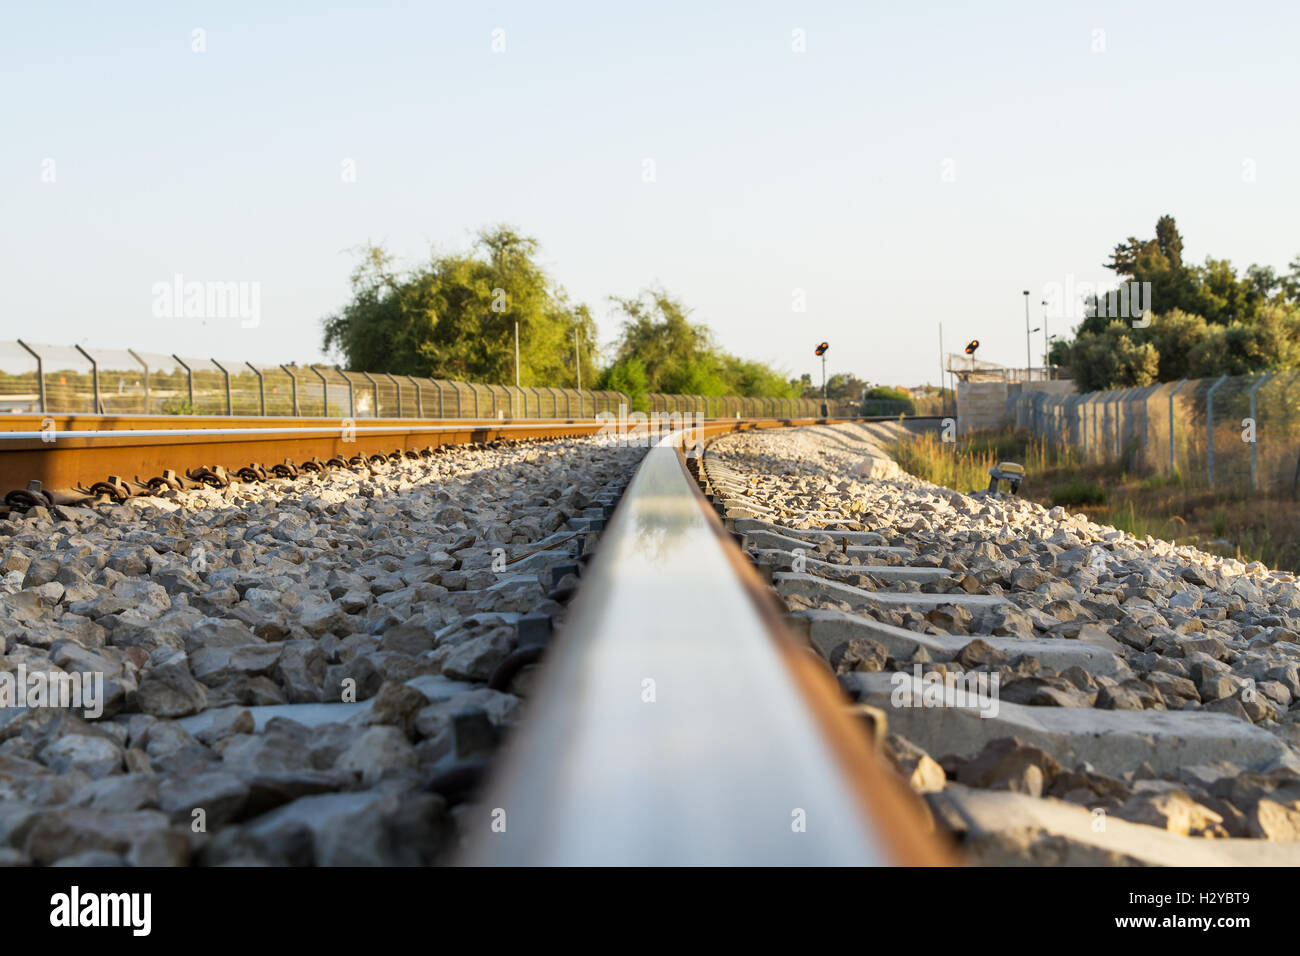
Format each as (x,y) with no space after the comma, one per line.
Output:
(1252,527)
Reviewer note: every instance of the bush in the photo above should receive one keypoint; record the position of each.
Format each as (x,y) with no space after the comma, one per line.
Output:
(883,400)
(178,406)
(628,377)
(1079,493)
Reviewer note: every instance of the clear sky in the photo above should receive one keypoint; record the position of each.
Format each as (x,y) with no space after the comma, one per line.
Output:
(774,170)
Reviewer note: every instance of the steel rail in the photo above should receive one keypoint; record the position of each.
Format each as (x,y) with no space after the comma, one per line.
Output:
(677,721)
(64,452)
(125,434)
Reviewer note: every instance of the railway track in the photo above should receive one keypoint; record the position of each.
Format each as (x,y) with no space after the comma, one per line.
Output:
(689,642)
(73,458)
(667,595)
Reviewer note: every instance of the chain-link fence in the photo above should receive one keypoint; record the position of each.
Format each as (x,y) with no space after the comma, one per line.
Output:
(1231,431)
(77,380)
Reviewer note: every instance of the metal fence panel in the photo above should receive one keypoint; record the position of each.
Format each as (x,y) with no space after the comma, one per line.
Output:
(20,383)
(63,380)
(1237,432)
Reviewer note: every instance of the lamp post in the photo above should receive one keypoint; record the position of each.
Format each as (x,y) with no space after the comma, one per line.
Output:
(1047,345)
(1029,361)
(577,359)
(943,401)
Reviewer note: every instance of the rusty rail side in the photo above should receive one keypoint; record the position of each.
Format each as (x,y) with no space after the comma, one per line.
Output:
(67,451)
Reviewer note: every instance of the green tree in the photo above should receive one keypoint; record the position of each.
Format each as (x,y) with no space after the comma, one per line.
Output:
(679,356)
(1175,337)
(455,317)
(1207,320)
(627,376)
(1112,359)
(1289,285)
(840,387)
(888,400)
(1169,241)
(1270,343)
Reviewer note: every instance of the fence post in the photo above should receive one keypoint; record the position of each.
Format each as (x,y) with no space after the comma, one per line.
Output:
(1130,424)
(398,389)
(229,404)
(293,388)
(1209,425)
(94,378)
(1116,418)
(1098,440)
(189,380)
(1138,447)
(1254,424)
(1098,427)
(1118,395)
(144,365)
(1146,419)
(1104,441)
(261,389)
(374,391)
(40,373)
(1123,420)
(1172,464)
(419,399)
(352,396)
(324,392)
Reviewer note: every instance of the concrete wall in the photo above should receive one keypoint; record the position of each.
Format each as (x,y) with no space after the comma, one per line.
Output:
(982,405)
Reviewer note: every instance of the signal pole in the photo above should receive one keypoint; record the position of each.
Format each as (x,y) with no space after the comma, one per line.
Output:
(821,350)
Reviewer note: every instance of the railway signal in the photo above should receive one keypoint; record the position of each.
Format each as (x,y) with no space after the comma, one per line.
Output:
(971,346)
(821,350)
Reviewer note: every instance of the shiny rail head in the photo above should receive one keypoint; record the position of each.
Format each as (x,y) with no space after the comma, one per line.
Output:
(672,725)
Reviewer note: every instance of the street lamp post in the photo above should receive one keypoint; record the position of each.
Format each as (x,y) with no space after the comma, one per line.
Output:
(1047,344)
(577,359)
(1029,361)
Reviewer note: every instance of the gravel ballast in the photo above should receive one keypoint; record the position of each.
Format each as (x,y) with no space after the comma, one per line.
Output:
(1210,643)
(287,667)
